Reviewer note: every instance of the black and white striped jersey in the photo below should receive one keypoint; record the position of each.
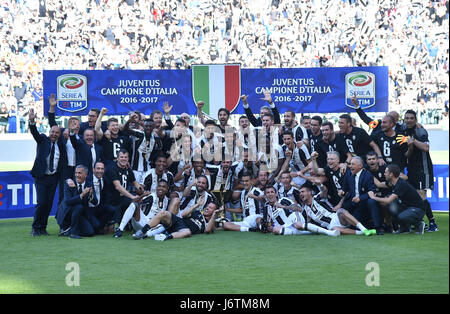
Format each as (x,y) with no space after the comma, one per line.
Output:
(319,212)
(249,205)
(152,205)
(151,180)
(292,192)
(276,215)
(192,198)
(143,150)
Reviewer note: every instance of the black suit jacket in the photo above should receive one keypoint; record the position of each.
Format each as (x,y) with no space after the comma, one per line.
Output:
(43,151)
(72,198)
(90,179)
(258,122)
(365,184)
(83,152)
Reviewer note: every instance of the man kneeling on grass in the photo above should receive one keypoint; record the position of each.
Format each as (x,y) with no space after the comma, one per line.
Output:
(192,221)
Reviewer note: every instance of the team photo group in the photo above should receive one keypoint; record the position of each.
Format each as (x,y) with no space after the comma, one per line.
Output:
(161,176)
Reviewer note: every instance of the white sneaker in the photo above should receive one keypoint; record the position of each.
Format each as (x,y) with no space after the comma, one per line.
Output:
(160,237)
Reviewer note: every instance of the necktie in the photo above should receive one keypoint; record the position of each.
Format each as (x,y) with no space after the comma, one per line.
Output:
(79,189)
(52,157)
(93,156)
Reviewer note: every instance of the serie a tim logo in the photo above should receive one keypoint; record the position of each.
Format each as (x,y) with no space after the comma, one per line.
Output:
(361,84)
(72,92)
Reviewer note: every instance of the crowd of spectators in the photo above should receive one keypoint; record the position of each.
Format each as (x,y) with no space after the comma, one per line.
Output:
(411,38)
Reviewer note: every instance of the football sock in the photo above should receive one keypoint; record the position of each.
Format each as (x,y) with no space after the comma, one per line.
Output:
(158,229)
(428,211)
(358,232)
(244,229)
(317,229)
(145,229)
(360,226)
(126,217)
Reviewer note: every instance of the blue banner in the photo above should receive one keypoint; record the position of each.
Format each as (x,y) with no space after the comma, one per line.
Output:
(310,90)
(18,194)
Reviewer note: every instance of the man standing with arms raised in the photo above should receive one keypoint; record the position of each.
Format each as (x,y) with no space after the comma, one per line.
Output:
(51,158)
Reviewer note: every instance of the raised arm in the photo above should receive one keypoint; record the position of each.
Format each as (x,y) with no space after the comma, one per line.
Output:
(275,112)
(98,124)
(248,112)
(32,123)
(51,110)
(200,115)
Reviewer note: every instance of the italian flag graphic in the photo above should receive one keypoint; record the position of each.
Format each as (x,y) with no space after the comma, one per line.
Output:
(218,86)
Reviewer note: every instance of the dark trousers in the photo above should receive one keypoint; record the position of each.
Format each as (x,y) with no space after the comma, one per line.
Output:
(406,216)
(45,190)
(103,214)
(365,211)
(119,209)
(67,173)
(80,224)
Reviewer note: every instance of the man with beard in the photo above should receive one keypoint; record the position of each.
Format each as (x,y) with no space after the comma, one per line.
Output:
(356,139)
(142,211)
(250,208)
(298,156)
(190,172)
(320,214)
(392,151)
(197,196)
(405,203)
(316,133)
(196,219)
(114,143)
(375,125)
(331,142)
(420,166)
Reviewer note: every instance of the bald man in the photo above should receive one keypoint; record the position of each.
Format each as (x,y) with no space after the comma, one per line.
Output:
(375,125)
(51,159)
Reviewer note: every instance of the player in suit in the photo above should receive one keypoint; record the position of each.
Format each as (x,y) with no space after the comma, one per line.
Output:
(102,213)
(357,185)
(74,215)
(51,158)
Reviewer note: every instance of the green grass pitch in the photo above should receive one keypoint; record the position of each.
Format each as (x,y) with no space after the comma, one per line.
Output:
(223,263)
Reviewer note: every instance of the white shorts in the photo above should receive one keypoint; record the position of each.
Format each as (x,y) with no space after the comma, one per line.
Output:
(335,222)
(143,220)
(249,221)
